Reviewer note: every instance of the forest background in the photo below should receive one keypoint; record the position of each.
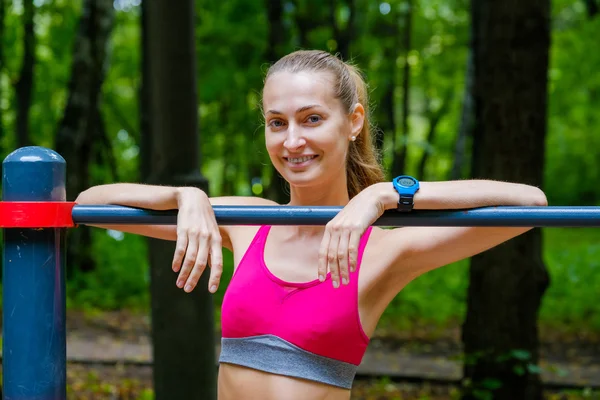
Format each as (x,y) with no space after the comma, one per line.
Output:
(70,79)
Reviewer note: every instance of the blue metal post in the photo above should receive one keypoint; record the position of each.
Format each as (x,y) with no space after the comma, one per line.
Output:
(34,337)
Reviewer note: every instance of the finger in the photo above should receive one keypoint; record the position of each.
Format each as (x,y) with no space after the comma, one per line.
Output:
(332,260)
(216,264)
(322,266)
(188,261)
(195,275)
(353,249)
(199,262)
(342,256)
(180,247)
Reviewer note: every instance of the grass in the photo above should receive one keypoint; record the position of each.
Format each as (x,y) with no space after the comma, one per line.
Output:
(436,299)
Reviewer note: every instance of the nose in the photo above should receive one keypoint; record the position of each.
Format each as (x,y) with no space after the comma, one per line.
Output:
(294,139)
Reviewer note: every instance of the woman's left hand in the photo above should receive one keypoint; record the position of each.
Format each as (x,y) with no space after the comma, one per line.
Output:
(339,247)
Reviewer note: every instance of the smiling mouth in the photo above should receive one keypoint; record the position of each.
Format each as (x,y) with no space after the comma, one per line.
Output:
(299,160)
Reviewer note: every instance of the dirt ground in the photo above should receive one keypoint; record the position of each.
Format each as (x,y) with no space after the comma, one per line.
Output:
(118,382)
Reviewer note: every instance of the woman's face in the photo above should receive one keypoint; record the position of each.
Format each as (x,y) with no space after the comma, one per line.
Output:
(307,129)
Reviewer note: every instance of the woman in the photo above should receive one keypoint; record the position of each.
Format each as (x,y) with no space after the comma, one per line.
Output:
(304,300)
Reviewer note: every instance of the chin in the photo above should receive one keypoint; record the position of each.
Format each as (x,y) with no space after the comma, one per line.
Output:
(301,178)
(302,182)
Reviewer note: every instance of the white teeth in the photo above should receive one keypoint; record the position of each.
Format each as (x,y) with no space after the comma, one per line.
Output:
(299,159)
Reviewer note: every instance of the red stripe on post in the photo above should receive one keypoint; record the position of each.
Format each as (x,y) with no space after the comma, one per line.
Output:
(36,214)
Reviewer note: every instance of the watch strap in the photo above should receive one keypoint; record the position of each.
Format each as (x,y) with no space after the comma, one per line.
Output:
(405,203)
(406,193)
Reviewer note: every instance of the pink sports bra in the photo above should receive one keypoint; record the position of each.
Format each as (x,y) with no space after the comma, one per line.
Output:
(307,330)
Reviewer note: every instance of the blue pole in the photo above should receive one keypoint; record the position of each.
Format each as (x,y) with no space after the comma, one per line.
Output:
(302,215)
(34,341)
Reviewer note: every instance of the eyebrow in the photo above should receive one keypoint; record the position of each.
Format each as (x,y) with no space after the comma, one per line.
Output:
(304,108)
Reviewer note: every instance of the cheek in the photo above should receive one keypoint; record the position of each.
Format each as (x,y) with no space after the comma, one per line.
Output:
(273,142)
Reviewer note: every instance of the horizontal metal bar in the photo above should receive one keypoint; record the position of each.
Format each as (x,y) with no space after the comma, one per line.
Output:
(293,215)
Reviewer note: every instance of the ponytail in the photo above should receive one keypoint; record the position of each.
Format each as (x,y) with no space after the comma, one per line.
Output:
(363,167)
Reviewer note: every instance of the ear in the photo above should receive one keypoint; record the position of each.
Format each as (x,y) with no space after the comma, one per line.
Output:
(357,119)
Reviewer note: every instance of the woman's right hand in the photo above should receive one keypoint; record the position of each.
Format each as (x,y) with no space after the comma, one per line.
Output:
(198,238)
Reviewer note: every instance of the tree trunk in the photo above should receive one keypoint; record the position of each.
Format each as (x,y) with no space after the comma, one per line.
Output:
(277,190)
(229,172)
(510,50)
(344,36)
(146,133)
(2,25)
(466,123)
(24,85)
(80,136)
(277,32)
(306,20)
(399,160)
(182,324)
(388,27)
(592,8)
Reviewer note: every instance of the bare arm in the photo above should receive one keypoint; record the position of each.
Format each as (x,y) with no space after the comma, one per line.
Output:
(199,239)
(412,251)
(139,196)
(421,249)
(155,198)
(464,194)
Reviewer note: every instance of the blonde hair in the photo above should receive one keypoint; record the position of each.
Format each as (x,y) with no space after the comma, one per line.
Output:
(362,164)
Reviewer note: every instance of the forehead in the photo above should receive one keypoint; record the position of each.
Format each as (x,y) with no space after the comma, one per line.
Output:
(288,91)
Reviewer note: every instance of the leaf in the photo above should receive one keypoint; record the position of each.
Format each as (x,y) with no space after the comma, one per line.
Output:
(491,383)
(519,370)
(533,369)
(522,355)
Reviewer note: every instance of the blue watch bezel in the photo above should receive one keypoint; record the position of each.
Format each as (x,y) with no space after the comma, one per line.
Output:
(406,193)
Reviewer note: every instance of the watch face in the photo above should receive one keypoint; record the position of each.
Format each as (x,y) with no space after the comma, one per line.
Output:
(407,182)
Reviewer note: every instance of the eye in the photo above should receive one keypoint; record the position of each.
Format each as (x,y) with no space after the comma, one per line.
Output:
(313,119)
(275,123)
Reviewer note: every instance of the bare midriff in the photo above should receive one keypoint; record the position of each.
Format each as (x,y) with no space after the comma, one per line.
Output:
(237,382)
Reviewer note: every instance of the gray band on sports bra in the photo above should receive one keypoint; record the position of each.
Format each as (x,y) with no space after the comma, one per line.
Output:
(272,354)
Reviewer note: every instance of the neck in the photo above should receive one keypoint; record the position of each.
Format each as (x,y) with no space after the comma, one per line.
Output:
(331,193)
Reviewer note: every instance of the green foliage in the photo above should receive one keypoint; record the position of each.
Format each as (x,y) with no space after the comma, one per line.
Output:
(55,26)
(573,142)
(232,45)
(232,42)
(120,98)
(573,259)
(517,361)
(571,255)
(122,276)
